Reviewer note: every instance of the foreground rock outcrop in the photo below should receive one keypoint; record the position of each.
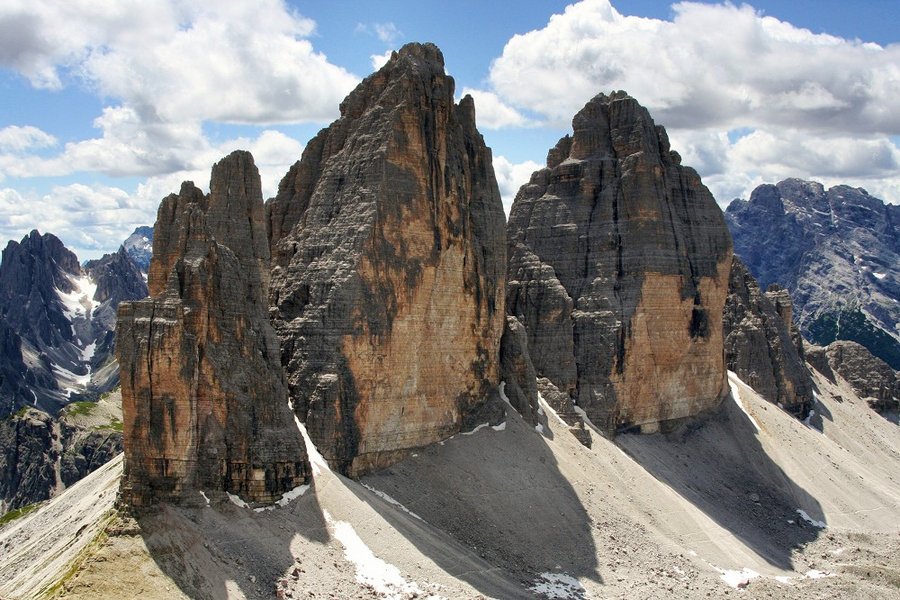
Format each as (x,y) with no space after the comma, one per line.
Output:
(618,269)
(869,376)
(388,279)
(203,397)
(760,343)
(837,251)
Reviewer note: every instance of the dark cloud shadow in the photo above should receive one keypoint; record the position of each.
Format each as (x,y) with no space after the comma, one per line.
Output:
(718,464)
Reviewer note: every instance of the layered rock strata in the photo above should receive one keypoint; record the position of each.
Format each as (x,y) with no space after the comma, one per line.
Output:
(869,376)
(618,269)
(388,280)
(760,343)
(203,397)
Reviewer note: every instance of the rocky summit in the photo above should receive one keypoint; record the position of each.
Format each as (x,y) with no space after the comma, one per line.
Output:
(388,279)
(618,269)
(204,402)
(837,252)
(763,346)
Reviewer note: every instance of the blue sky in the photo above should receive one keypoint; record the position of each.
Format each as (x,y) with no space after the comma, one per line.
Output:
(106,105)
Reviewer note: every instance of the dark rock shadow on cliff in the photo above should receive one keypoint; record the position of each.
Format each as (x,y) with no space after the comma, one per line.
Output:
(718,464)
(499,493)
(213,551)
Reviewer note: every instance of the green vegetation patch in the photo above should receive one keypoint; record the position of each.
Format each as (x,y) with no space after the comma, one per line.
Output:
(852,325)
(80,408)
(19,512)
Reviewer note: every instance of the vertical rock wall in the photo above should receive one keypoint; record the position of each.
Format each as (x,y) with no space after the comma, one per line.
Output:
(203,396)
(389,251)
(618,268)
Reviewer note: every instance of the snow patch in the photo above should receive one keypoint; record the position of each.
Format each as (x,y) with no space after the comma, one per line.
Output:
(204,497)
(381,576)
(390,500)
(738,579)
(539,428)
(816,574)
(482,426)
(236,500)
(285,498)
(316,461)
(879,275)
(558,585)
(79,303)
(499,427)
(810,520)
(502,389)
(733,381)
(88,353)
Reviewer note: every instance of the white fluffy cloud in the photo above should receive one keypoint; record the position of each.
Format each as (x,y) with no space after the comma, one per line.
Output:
(511,176)
(16,139)
(175,60)
(796,104)
(492,113)
(713,65)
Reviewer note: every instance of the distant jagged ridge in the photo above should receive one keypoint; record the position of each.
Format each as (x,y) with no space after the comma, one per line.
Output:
(836,251)
(56,322)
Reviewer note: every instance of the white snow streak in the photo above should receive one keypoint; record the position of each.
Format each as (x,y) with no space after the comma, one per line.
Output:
(383,577)
(738,579)
(733,381)
(390,500)
(79,303)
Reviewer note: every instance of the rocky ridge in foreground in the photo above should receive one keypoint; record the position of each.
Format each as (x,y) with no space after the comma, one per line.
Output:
(203,397)
(388,268)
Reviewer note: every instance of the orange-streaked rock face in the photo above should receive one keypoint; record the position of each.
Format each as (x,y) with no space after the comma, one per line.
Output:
(618,269)
(204,403)
(389,249)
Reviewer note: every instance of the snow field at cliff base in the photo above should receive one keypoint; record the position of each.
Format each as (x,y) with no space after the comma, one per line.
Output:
(746,502)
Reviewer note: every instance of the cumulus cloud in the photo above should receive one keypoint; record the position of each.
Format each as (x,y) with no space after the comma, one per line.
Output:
(19,139)
(511,176)
(716,65)
(731,168)
(492,113)
(85,217)
(379,60)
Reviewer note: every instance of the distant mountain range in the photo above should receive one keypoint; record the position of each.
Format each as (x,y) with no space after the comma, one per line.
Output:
(57,320)
(838,253)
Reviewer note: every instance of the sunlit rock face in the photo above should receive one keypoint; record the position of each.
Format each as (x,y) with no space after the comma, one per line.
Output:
(204,402)
(618,269)
(388,246)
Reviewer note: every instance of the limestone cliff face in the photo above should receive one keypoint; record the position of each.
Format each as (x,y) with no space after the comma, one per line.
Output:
(618,268)
(203,396)
(760,343)
(388,279)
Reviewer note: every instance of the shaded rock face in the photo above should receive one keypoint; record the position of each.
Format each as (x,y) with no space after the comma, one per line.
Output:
(203,397)
(388,279)
(56,341)
(760,343)
(517,371)
(869,376)
(40,456)
(837,252)
(618,269)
